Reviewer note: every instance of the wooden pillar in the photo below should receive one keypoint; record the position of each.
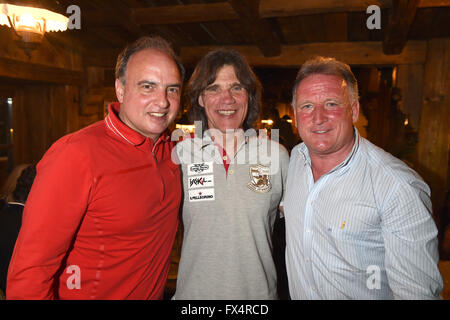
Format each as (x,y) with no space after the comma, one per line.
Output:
(410,81)
(433,146)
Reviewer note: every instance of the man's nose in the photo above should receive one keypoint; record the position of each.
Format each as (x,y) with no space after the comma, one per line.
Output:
(161,98)
(319,115)
(226,96)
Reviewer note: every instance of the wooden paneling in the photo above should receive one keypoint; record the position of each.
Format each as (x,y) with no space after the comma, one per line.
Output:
(220,33)
(336,26)
(40,115)
(184,13)
(305,29)
(36,72)
(259,29)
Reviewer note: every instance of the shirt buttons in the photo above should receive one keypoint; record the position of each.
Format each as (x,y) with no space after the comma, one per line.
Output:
(224,157)
(308,230)
(230,171)
(307,259)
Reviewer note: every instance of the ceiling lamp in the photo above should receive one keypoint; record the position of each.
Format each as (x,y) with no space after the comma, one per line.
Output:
(30,24)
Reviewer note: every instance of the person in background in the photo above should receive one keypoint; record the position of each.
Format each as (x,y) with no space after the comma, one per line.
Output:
(232,187)
(102,214)
(287,137)
(359,223)
(11,220)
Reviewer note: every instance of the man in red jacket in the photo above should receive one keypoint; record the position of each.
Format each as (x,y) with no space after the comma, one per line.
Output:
(102,214)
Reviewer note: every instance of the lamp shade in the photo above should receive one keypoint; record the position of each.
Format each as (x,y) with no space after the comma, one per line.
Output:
(32,19)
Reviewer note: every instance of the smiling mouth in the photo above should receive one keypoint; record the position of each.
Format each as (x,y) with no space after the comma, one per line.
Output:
(226,112)
(320,131)
(157,114)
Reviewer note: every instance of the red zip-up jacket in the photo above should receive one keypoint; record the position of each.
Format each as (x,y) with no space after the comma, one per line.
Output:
(101,218)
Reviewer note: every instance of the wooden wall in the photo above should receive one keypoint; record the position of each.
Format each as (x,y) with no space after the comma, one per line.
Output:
(434,134)
(42,113)
(53,93)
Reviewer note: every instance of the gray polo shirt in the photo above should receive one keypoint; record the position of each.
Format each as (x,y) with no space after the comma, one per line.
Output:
(228,219)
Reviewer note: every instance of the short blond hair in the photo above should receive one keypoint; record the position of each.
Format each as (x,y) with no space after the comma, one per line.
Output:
(327,66)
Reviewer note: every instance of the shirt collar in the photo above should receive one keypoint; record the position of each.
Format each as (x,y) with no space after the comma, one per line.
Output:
(120,129)
(16,203)
(303,150)
(351,156)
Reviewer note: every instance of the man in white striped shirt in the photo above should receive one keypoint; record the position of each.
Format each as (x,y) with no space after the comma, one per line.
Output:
(358,220)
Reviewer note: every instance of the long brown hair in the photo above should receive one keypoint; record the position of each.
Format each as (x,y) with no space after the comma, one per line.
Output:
(205,73)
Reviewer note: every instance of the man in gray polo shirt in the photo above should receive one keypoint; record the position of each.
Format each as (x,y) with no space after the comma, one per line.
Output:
(233,183)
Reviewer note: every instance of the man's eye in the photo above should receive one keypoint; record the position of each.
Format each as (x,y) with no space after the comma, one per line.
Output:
(147,86)
(173,90)
(212,89)
(237,88)
(306,107)
(331,104)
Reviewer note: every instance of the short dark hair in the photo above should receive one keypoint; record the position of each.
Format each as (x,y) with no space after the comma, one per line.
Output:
(327,66)
(205,73)
(143,43)
(24,183)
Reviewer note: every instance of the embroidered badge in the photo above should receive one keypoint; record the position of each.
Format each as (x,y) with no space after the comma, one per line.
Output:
(201,195)
(201,181)
(200,168)
(259,179)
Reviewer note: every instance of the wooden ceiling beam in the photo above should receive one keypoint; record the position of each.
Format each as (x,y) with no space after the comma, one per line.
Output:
(259,29)
(401,16)
(286,8)
(353,53)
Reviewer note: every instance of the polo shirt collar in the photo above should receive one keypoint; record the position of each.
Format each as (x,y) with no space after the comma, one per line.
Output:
(121,130)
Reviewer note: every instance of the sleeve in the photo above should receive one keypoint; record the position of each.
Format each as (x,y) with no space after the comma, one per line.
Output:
(53,212)
(411,245)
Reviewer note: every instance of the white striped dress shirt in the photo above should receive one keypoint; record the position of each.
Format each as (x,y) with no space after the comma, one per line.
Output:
(362,231)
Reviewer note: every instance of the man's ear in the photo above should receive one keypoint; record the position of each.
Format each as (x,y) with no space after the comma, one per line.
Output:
(200,101)
(295,114)
(119,90)
(355,111)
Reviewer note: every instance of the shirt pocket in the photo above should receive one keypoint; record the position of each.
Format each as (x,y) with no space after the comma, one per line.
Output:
(357,241)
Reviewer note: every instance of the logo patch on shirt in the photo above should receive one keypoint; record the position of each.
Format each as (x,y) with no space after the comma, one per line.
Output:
(201,195)
(259,179)
(200,168)
(201,181)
